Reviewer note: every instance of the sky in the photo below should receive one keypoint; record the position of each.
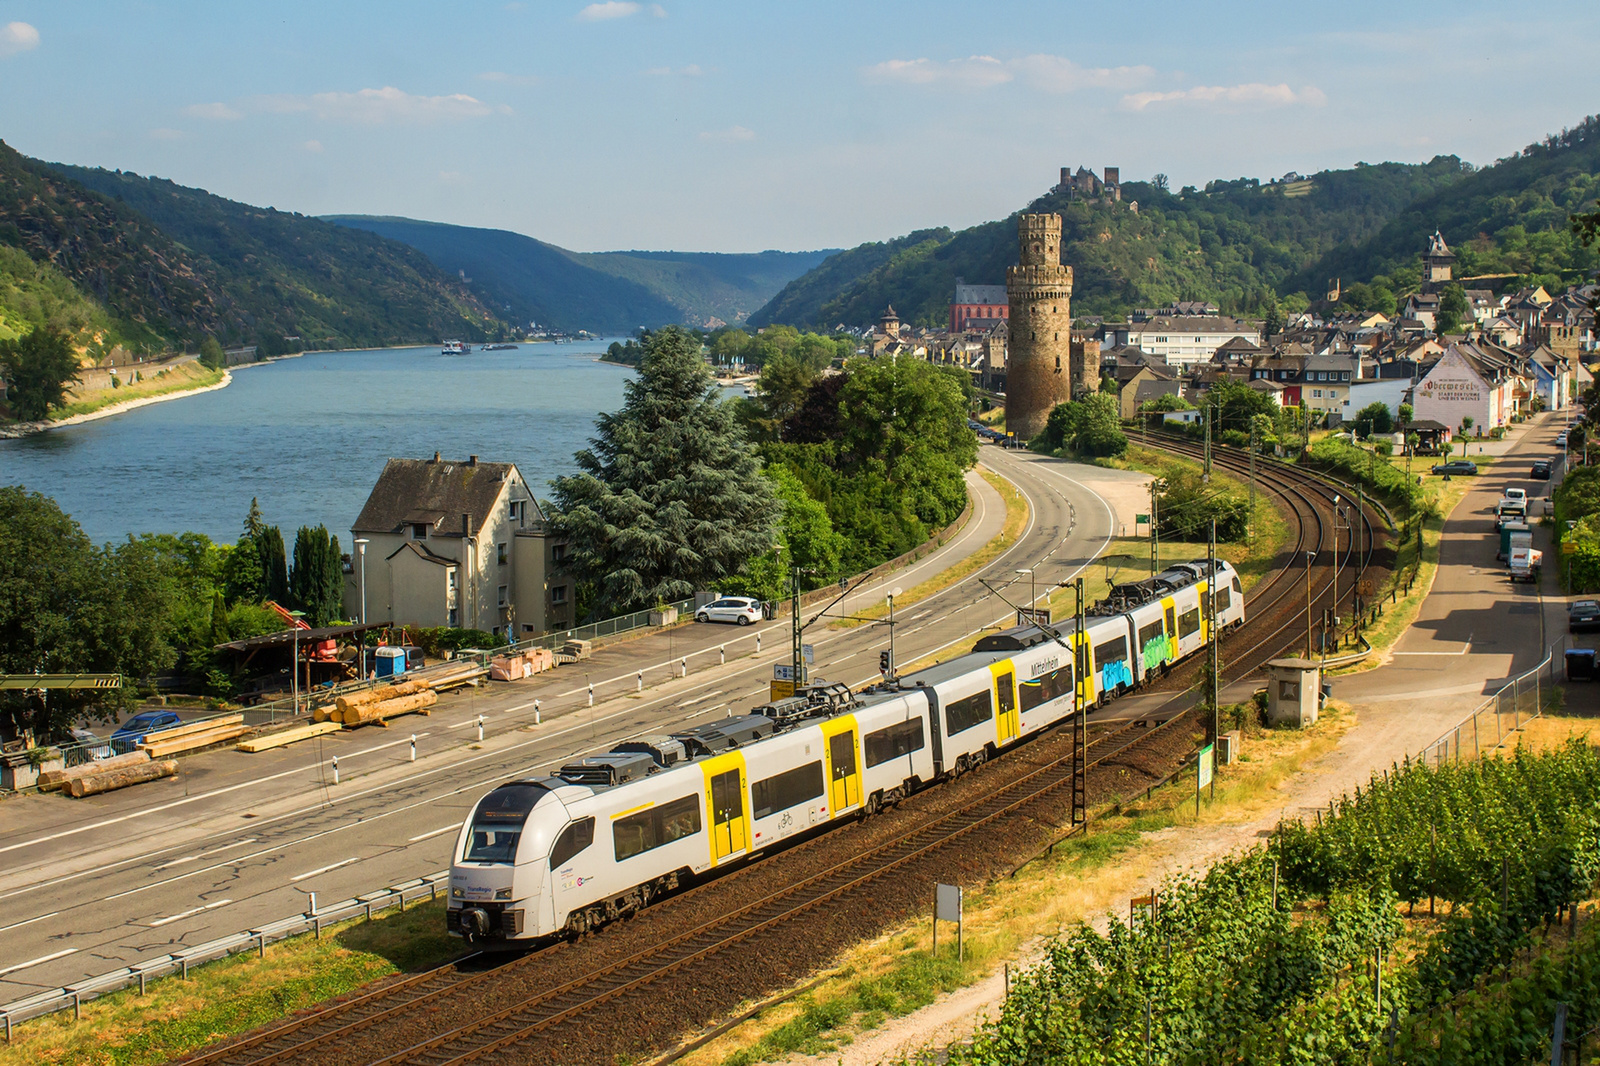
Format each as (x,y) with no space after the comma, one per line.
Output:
(750,125)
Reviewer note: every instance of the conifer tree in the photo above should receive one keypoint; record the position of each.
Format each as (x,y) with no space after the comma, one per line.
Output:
(274,564)
(670,497)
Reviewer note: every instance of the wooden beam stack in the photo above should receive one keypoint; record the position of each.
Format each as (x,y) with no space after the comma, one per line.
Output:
(111,780)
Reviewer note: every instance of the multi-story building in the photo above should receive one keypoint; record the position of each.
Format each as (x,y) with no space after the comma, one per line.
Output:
(978,308)
(1182,340)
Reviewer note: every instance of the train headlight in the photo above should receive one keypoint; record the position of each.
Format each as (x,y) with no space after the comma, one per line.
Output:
(457,893)
(502,893)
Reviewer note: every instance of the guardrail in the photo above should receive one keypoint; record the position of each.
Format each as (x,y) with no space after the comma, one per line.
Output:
(1519,700)
(75,995)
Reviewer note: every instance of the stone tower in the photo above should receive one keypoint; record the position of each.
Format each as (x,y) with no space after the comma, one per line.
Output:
(1039,353)
(1436,264)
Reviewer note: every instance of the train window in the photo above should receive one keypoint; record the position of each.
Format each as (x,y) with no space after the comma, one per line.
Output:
(1224,598)
(1237,587)
(893,741)
(1172,623)
(1189,623)
(665,823)
(497,823)
(961,715)
(842,753)
(788,789)
(1149,633)
(1046,687)
(573,839)
(1005,693)
(727,803)
(1112,651)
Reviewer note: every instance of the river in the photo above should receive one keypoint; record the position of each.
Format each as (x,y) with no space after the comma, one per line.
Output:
(309,436)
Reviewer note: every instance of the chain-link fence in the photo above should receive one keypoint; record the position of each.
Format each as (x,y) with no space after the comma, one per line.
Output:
(1496,718)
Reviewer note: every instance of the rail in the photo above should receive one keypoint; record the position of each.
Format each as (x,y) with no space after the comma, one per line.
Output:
(1520,700)
(75,995)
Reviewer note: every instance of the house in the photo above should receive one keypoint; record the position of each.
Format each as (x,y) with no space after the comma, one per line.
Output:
(1466,382)
(1182,340)
(978,307)
(1140,377)
(1325,383)
(1551,377)
(1422,307)
(442,542)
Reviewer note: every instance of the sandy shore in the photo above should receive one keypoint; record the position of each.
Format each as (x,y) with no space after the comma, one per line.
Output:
(27,429)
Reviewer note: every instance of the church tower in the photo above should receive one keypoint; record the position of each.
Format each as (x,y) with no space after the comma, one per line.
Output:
(1436,264)
(1039,356)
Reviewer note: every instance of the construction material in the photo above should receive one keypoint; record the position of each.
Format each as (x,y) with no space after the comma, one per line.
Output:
(160,749)
(51,780)
(416,703)
(190,728)
(324,712)
(289,736)
(111,780)
(510,668)
(577,649)
(346,704)
(455,674)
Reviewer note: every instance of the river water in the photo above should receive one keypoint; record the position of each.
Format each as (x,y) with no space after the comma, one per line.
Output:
(309,436)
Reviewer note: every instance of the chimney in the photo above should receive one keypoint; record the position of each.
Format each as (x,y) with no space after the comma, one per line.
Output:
(472,460)
(436,457)
(466,524)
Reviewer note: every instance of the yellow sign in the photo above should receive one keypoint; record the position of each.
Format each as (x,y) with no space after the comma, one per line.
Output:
(781,690)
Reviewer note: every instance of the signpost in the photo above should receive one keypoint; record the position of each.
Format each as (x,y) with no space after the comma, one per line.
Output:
(947,908)
(1026,615)
(1204,777)
(783,681)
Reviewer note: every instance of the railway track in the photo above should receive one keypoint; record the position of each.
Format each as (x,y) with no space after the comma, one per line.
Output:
(769,920)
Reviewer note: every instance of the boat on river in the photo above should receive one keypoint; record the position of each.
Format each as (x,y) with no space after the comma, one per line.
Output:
(455,348)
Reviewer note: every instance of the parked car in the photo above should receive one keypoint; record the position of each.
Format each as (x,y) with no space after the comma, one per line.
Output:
(741,610)
(1583,614)
(1457,466)
(1561,438)
(92,745)
(1541,470)
(129,733)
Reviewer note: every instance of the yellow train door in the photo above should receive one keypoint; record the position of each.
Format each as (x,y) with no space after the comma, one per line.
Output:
(1205,614)
(844,766)
(1007,719)
(725,792)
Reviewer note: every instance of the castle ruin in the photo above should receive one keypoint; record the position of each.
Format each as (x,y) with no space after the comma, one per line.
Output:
(1044,366)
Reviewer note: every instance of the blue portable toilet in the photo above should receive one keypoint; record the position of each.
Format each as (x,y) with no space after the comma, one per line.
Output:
(389,662)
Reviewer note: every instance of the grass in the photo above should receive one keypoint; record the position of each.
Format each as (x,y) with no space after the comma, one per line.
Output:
(1121,856)
(182,378)
(235,994)
(1016,520)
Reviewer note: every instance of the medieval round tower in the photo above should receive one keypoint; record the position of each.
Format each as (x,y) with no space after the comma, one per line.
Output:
(1039,350)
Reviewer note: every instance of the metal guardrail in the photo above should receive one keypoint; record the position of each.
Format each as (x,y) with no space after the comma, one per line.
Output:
(75,995)
(1519,701)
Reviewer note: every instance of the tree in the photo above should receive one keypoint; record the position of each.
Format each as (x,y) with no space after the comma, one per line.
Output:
(1159,182)
(1375,418)
(1452,308)
(1089,426)
(785,382)
(1167,401)
(1406,414)
(211,354)
(1237,403)
(669,497)
(274,564)
(906,421)
(38,368)
(316,585)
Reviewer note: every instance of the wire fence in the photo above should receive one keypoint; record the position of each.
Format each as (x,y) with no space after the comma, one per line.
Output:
(1502,714)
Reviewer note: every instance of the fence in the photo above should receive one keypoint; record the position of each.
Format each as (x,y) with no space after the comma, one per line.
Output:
(77,994)
(1486,728)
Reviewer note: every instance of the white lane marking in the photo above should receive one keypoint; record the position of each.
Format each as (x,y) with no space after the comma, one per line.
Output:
(159,922)
(1464,649)
(225,847)
(324,869)
(434,833)
(697,714)
(30,921)
(36,962)
(701,699)
(459,725)
(391,744)
(176,862)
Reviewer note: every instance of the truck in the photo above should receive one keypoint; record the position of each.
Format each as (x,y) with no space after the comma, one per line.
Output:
(1513,503)
(1510,530)
(1525,562)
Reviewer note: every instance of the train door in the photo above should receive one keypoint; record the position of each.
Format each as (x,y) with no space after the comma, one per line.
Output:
(844,765)
(1205,612)
(1084,667)
(1007,719)
(725,801)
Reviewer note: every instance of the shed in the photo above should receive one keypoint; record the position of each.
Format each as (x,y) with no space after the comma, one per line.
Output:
(1293,696)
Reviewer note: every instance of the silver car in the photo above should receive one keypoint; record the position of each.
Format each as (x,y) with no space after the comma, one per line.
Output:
(741,610)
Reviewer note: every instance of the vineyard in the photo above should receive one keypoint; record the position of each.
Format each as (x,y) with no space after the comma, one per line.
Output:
(1432,918)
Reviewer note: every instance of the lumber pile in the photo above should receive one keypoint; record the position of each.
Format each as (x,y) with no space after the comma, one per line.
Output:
(385,701)
(111,780)
(521,665)
(288,736)
(51,780)
(193,736)
(456,673)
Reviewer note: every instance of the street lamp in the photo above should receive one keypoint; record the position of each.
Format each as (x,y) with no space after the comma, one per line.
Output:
(894,668)
(361,550)
(294,657)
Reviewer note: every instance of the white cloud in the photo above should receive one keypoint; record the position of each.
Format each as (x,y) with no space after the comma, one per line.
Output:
(609,9)
(218,111)
(730,135)
(17,37)
(1251,94)
(1046,73)
(691,71)
(311,146)
(378,106)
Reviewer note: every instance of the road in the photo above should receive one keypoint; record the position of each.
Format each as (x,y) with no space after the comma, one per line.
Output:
(239,840)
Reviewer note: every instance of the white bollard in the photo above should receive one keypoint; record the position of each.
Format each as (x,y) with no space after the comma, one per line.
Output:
(313,904)
(722,655)
(591,693)
(414,744)
(537,720)
(758,643)
(480,730)
(336,769)
(640,687)
(685,670)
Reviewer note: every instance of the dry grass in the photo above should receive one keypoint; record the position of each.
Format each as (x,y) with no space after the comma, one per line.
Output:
(181,378)
(234,995)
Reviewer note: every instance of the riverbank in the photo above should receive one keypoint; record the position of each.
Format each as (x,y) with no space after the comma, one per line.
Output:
(188,380)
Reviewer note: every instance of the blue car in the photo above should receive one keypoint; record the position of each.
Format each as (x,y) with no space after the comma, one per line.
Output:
(135,729)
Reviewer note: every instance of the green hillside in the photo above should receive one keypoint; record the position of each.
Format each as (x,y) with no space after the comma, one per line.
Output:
(275,274)
(34,294)
(529,280)
(1239,243)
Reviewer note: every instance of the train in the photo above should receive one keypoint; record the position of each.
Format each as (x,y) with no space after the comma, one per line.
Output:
(543,858)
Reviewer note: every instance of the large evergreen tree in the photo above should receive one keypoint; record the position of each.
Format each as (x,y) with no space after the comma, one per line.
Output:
(274,564)
(670,497)
(316,584)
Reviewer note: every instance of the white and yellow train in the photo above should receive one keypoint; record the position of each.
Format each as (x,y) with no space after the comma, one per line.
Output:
(561,855)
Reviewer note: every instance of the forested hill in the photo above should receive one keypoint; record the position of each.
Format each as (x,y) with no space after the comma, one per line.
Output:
(1238,243)
(529,280)
(269,274)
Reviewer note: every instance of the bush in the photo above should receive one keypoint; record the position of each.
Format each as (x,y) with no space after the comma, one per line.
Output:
(438,640)
(1236,438)
(1384,448)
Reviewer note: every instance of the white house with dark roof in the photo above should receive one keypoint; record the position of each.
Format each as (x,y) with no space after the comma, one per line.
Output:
(1466,382)
(1182,340)
(453,543)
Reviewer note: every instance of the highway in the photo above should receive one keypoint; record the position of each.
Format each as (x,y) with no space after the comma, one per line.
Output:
(238,840)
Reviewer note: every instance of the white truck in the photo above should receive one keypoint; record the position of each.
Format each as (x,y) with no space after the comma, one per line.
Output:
(1524,561)
(1513,503)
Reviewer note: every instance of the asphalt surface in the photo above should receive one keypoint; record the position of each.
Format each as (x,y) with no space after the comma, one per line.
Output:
(237,840)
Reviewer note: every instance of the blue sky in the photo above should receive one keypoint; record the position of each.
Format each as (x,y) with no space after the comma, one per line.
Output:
(743,126)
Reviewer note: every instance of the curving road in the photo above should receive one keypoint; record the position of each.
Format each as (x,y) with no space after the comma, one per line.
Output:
(239,840)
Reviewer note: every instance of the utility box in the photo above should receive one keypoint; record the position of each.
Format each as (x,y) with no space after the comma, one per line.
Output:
(1293,692)
(1228,748)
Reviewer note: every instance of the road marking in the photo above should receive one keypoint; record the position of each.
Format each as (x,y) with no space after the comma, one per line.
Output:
(30,921)
(324,869)
(701,699)
(36,962)
(434,833)
(159,922)
(214,851)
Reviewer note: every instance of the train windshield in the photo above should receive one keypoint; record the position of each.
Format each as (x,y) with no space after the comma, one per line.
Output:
(497,823)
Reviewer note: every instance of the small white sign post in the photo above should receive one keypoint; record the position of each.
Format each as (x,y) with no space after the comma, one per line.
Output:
(947,908)
(1204,776)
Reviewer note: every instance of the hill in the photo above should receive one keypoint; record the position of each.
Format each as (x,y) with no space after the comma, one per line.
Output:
(1241,244)
(269,274)
(530,280)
